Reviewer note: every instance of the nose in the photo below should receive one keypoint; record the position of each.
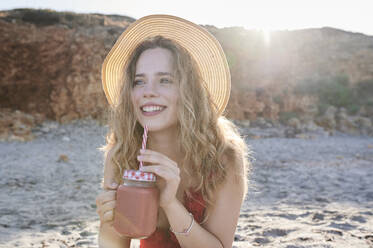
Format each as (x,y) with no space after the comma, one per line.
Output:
(150,89)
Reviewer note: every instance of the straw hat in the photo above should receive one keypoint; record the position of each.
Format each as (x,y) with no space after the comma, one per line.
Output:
(201,45)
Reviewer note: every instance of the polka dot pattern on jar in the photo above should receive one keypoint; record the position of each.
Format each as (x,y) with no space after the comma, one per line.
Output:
(139,175)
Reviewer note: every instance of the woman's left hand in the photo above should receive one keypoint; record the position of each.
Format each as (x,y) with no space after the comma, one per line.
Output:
(168,173)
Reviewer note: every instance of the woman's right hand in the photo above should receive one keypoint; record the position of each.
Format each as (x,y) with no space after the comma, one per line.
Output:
(108,236)
(105,203)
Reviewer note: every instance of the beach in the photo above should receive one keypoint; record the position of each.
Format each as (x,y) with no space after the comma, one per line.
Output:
(303,192)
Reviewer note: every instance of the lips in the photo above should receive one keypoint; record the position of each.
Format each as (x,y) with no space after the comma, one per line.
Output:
(152,104)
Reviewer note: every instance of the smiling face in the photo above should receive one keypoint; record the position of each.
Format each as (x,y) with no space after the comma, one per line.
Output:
(155,92)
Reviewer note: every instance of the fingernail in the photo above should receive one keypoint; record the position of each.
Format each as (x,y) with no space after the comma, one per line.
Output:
(114,185)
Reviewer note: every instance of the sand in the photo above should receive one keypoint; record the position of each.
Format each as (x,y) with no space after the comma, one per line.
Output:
(304,192)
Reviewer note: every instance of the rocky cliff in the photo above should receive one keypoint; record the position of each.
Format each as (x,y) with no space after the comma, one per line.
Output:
(51,61)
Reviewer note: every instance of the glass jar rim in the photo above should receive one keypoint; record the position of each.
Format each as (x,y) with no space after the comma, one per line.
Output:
(138,183)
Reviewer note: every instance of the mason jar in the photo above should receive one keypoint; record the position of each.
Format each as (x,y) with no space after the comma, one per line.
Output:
(136,207)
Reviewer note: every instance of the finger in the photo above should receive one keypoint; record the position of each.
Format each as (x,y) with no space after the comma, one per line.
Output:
(157,154)
(151,158)
(155,159)
(161,171)
(105,197)
(108,216)
(108,206)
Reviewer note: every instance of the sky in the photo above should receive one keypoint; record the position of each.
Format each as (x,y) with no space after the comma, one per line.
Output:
(266,15)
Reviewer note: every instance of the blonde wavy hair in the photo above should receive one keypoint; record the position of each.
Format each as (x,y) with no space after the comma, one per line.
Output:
(207,140)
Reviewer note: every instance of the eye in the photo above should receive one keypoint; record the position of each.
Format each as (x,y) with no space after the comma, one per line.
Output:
(136,82)
(166,80)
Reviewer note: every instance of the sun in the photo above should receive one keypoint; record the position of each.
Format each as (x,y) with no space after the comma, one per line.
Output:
(266,32)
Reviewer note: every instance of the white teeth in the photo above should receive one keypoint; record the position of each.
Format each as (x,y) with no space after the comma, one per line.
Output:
(152,108)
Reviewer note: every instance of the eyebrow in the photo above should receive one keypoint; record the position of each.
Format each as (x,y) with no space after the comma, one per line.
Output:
(158,74)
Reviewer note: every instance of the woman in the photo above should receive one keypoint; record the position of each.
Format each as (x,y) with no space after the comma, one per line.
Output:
(172,75)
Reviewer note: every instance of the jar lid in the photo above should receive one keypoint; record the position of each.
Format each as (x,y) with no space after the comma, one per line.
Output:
(139,175)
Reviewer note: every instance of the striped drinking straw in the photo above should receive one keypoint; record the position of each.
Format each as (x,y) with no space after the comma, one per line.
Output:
(144,138)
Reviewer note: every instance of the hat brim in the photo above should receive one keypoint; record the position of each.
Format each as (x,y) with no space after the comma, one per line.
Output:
(201,45)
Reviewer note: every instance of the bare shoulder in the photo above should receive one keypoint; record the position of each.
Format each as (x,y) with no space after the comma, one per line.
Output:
(229,196)
(235,166)
(235,180)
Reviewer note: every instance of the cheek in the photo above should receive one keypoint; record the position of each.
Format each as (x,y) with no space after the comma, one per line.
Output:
(176,103)
(177,100)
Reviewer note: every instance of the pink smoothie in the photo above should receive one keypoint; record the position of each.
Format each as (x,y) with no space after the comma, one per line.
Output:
(136,209)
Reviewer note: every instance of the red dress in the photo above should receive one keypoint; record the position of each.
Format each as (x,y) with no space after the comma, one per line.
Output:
(162,238)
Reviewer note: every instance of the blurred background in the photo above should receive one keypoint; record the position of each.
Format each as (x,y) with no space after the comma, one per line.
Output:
(302,96)
(292,62)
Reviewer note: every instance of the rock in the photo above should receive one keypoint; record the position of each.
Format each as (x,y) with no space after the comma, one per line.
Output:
(242,123)
(21,128)
(238,237)
(362,111)
(86,234)
(331,111)
(308,112)
(342,226)
(23,138)
(261,240)
(363,122)
(257,133)
(303,136)
(318,217)
(314,130)
(345,123)
(45,129)
(61,79)
(246,123)
(341,113)
(83,243)
(65,232)
(289,133)
(359,219)
(276,123)
(48,126)
(327,120)
(276,232)
(63,158)
(294,122)
(260,122)
(310,126)
(366,111)
(17,125)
